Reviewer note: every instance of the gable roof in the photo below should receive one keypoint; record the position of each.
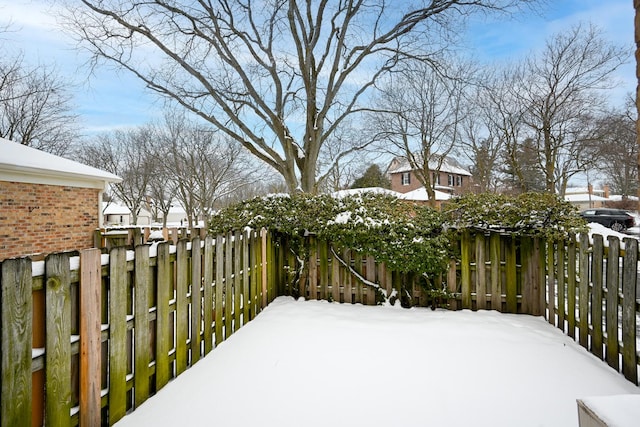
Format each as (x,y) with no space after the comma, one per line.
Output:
(449,165)
(19,163)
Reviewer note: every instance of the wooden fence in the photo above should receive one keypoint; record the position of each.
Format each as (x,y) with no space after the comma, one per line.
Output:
(589,291)
(86,338)
(141,317)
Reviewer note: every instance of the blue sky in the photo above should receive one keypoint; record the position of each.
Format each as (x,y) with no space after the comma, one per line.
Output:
(110,99)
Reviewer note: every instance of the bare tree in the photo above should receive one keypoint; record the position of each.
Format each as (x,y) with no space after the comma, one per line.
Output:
(619,151)
(126,154)
(419,117)
(205,166)
(280,76)
(562,96)
(35,106)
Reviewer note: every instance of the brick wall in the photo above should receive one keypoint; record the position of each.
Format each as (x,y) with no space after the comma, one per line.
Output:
(36,218)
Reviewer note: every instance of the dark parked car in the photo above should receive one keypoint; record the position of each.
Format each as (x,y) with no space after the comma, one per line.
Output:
(615,219)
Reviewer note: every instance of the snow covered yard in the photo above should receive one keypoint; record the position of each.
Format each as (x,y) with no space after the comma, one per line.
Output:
(314,363)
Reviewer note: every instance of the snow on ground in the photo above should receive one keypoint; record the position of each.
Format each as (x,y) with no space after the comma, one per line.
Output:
(314,363)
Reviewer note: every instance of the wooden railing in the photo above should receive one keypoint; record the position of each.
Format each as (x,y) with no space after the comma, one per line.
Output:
(87,337)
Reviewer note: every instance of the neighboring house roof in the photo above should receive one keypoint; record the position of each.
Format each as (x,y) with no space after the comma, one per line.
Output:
(354,191)
(584,190)
(19,163)
(114,209)
(401,164)
(584,197)
(420,195)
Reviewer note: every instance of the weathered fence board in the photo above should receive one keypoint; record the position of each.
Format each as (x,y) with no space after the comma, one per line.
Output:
(219,289)
(58,331)
(117,333)
(15,370)
(196,300)
(142,337)
(613,286)
(182,313)
(90,338)
(163,333)
(629,282)
(596,306)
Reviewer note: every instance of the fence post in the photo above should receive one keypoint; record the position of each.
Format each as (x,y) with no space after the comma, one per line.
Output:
(16,335)
(58,346)
(90,342)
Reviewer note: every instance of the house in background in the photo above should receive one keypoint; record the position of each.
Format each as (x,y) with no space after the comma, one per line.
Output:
(587,197)
(451,178)
(47,203)
(118,215)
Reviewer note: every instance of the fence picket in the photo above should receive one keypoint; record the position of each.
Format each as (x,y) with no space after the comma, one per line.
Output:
(90,340)
(219,289)
(15,370)
(496,287)
(247,268)
(207,292)
(58,331)
(142,342)
(561,289)
(227,284)
(583,291)
(196,299)
(117,333)
(629,282)
(571,286)
(613,286)
(181,315)
(596,298)
(481,273)
(163,333)
(237,280)
(511,276)
(551,282)
(465,269)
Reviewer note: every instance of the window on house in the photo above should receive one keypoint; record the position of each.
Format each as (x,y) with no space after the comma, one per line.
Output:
(450,180)
(459,181)
(436,178)
(406,178)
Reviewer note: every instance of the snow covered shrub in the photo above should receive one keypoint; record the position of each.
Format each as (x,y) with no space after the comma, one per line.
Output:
(406,236)
(530,214)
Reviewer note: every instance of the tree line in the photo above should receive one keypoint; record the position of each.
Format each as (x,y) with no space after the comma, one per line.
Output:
(318,90)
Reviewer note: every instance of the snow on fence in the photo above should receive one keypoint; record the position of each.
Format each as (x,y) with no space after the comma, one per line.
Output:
(86,338)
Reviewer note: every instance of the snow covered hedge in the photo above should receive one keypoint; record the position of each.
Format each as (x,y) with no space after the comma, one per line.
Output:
(531,214)
(407,237)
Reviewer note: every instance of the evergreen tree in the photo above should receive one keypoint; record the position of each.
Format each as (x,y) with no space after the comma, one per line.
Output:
(372,177)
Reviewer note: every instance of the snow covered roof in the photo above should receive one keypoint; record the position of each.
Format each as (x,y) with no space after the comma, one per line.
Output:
(584,197)
(114,209)
(420,194)
(619,197)
(355,191)
(449,165)
(19,163)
